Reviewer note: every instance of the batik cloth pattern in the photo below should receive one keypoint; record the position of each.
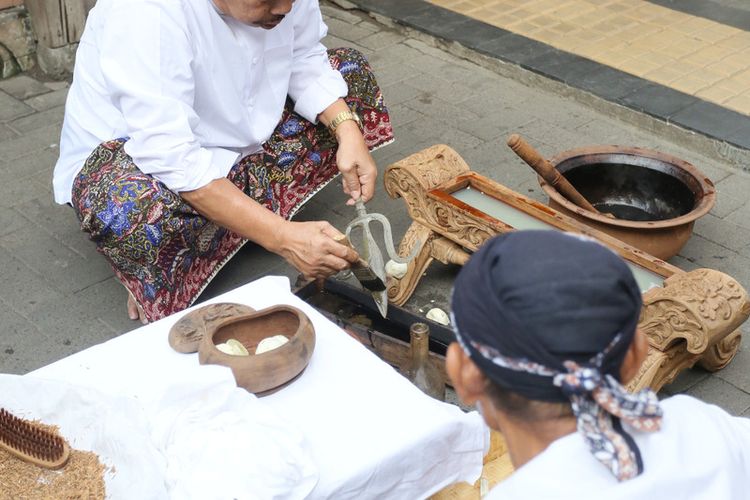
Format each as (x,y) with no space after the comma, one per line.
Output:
(598,401)
(162,250)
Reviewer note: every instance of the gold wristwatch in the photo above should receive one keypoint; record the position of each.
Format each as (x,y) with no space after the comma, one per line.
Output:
(341,118)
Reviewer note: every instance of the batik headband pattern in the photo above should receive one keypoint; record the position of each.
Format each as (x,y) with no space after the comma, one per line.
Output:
(599,403)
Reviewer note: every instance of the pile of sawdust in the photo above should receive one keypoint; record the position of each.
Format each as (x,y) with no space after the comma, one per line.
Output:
(81,478)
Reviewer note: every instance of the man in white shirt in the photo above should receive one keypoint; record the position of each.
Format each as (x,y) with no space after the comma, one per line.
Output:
(195,125)
(547,331)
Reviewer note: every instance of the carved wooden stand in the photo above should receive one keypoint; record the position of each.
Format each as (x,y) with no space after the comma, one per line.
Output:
(691,319)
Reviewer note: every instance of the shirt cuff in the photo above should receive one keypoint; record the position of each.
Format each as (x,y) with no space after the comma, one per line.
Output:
(323,92)
(210,164)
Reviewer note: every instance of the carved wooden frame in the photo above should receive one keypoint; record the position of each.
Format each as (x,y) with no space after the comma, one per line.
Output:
(691,319)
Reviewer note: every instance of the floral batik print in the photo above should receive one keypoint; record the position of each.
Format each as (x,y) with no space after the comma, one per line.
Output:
(162,250)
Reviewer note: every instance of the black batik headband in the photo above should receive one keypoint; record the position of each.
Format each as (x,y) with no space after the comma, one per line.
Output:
(550,316)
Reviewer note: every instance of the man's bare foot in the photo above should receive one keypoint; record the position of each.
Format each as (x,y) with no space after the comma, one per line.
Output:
(134,310)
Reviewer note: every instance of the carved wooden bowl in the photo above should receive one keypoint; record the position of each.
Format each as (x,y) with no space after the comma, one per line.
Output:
(267,372)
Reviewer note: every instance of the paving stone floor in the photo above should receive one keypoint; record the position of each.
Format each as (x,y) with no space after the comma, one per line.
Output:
(58,296)
(689,53)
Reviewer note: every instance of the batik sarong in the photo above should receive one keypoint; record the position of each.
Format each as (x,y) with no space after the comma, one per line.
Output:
(160,248)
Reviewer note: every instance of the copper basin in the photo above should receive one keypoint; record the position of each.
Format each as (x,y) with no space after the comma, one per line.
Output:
(656,198)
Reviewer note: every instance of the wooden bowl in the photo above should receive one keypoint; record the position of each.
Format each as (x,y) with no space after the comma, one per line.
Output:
(267,372)
(186,335)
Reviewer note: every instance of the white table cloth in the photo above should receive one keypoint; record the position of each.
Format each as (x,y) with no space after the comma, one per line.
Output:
(370,432)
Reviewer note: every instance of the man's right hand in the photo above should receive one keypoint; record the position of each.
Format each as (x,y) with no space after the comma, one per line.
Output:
(312,249)
(308,246)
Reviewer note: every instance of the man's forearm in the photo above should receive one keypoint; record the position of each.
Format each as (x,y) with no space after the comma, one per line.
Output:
(353,158)
(345,128)
(223,203)
(311,247)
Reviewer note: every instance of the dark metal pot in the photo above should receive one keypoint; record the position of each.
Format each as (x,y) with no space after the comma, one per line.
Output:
(655,197)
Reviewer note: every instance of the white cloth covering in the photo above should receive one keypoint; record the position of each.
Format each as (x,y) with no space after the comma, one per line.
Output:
(701,453)
(370,432)
(223,442)
(113,427)
(198,439)
(192,89)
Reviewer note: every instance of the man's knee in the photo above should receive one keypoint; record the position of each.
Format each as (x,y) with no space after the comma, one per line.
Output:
(124,202)
(348,61)
(348,54)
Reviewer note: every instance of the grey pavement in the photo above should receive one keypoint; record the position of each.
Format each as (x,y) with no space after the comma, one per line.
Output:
(58,295)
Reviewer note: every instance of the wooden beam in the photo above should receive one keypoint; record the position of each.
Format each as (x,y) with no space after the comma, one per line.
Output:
(47,20)
(75,18)
(4,4)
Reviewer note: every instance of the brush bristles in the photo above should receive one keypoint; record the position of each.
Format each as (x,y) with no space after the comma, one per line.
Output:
(31,442)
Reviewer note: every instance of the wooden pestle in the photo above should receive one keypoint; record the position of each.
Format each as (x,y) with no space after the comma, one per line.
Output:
(549,173)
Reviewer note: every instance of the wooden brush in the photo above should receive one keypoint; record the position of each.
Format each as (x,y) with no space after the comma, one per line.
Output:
(362,271)
(32,443)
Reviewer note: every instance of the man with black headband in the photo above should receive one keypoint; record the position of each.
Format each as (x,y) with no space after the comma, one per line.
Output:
(547,334)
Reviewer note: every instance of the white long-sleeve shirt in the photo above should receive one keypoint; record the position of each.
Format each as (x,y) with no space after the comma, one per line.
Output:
(700,453)
(192,89)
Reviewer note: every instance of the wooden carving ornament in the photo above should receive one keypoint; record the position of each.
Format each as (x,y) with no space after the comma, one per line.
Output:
(692,319)
(186,335)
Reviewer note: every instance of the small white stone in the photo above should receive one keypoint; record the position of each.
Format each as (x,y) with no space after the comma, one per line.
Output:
(438,316)
(225,348)
(396,269)
(233,347)
(271,343)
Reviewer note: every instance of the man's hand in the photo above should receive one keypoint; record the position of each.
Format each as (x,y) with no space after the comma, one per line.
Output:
(355,163)
(311,248)
(308,246)
(353,158)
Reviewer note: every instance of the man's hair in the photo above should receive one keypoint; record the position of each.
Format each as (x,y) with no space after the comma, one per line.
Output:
(540,298)
(523,409)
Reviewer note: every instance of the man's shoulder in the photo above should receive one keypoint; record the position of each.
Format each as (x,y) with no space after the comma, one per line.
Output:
(682,404)
(179,15)
(148,7)
(682,401)
(682,412)
(685,413)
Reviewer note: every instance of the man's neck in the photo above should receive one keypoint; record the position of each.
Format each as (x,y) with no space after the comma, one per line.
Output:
(527,440)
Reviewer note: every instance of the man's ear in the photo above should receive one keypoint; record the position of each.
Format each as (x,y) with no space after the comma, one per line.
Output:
(466,377)
(635,357)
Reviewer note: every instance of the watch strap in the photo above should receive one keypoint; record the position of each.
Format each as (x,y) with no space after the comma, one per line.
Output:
(341,118)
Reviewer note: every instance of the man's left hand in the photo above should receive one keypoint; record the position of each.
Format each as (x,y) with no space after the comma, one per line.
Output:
(355,163)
